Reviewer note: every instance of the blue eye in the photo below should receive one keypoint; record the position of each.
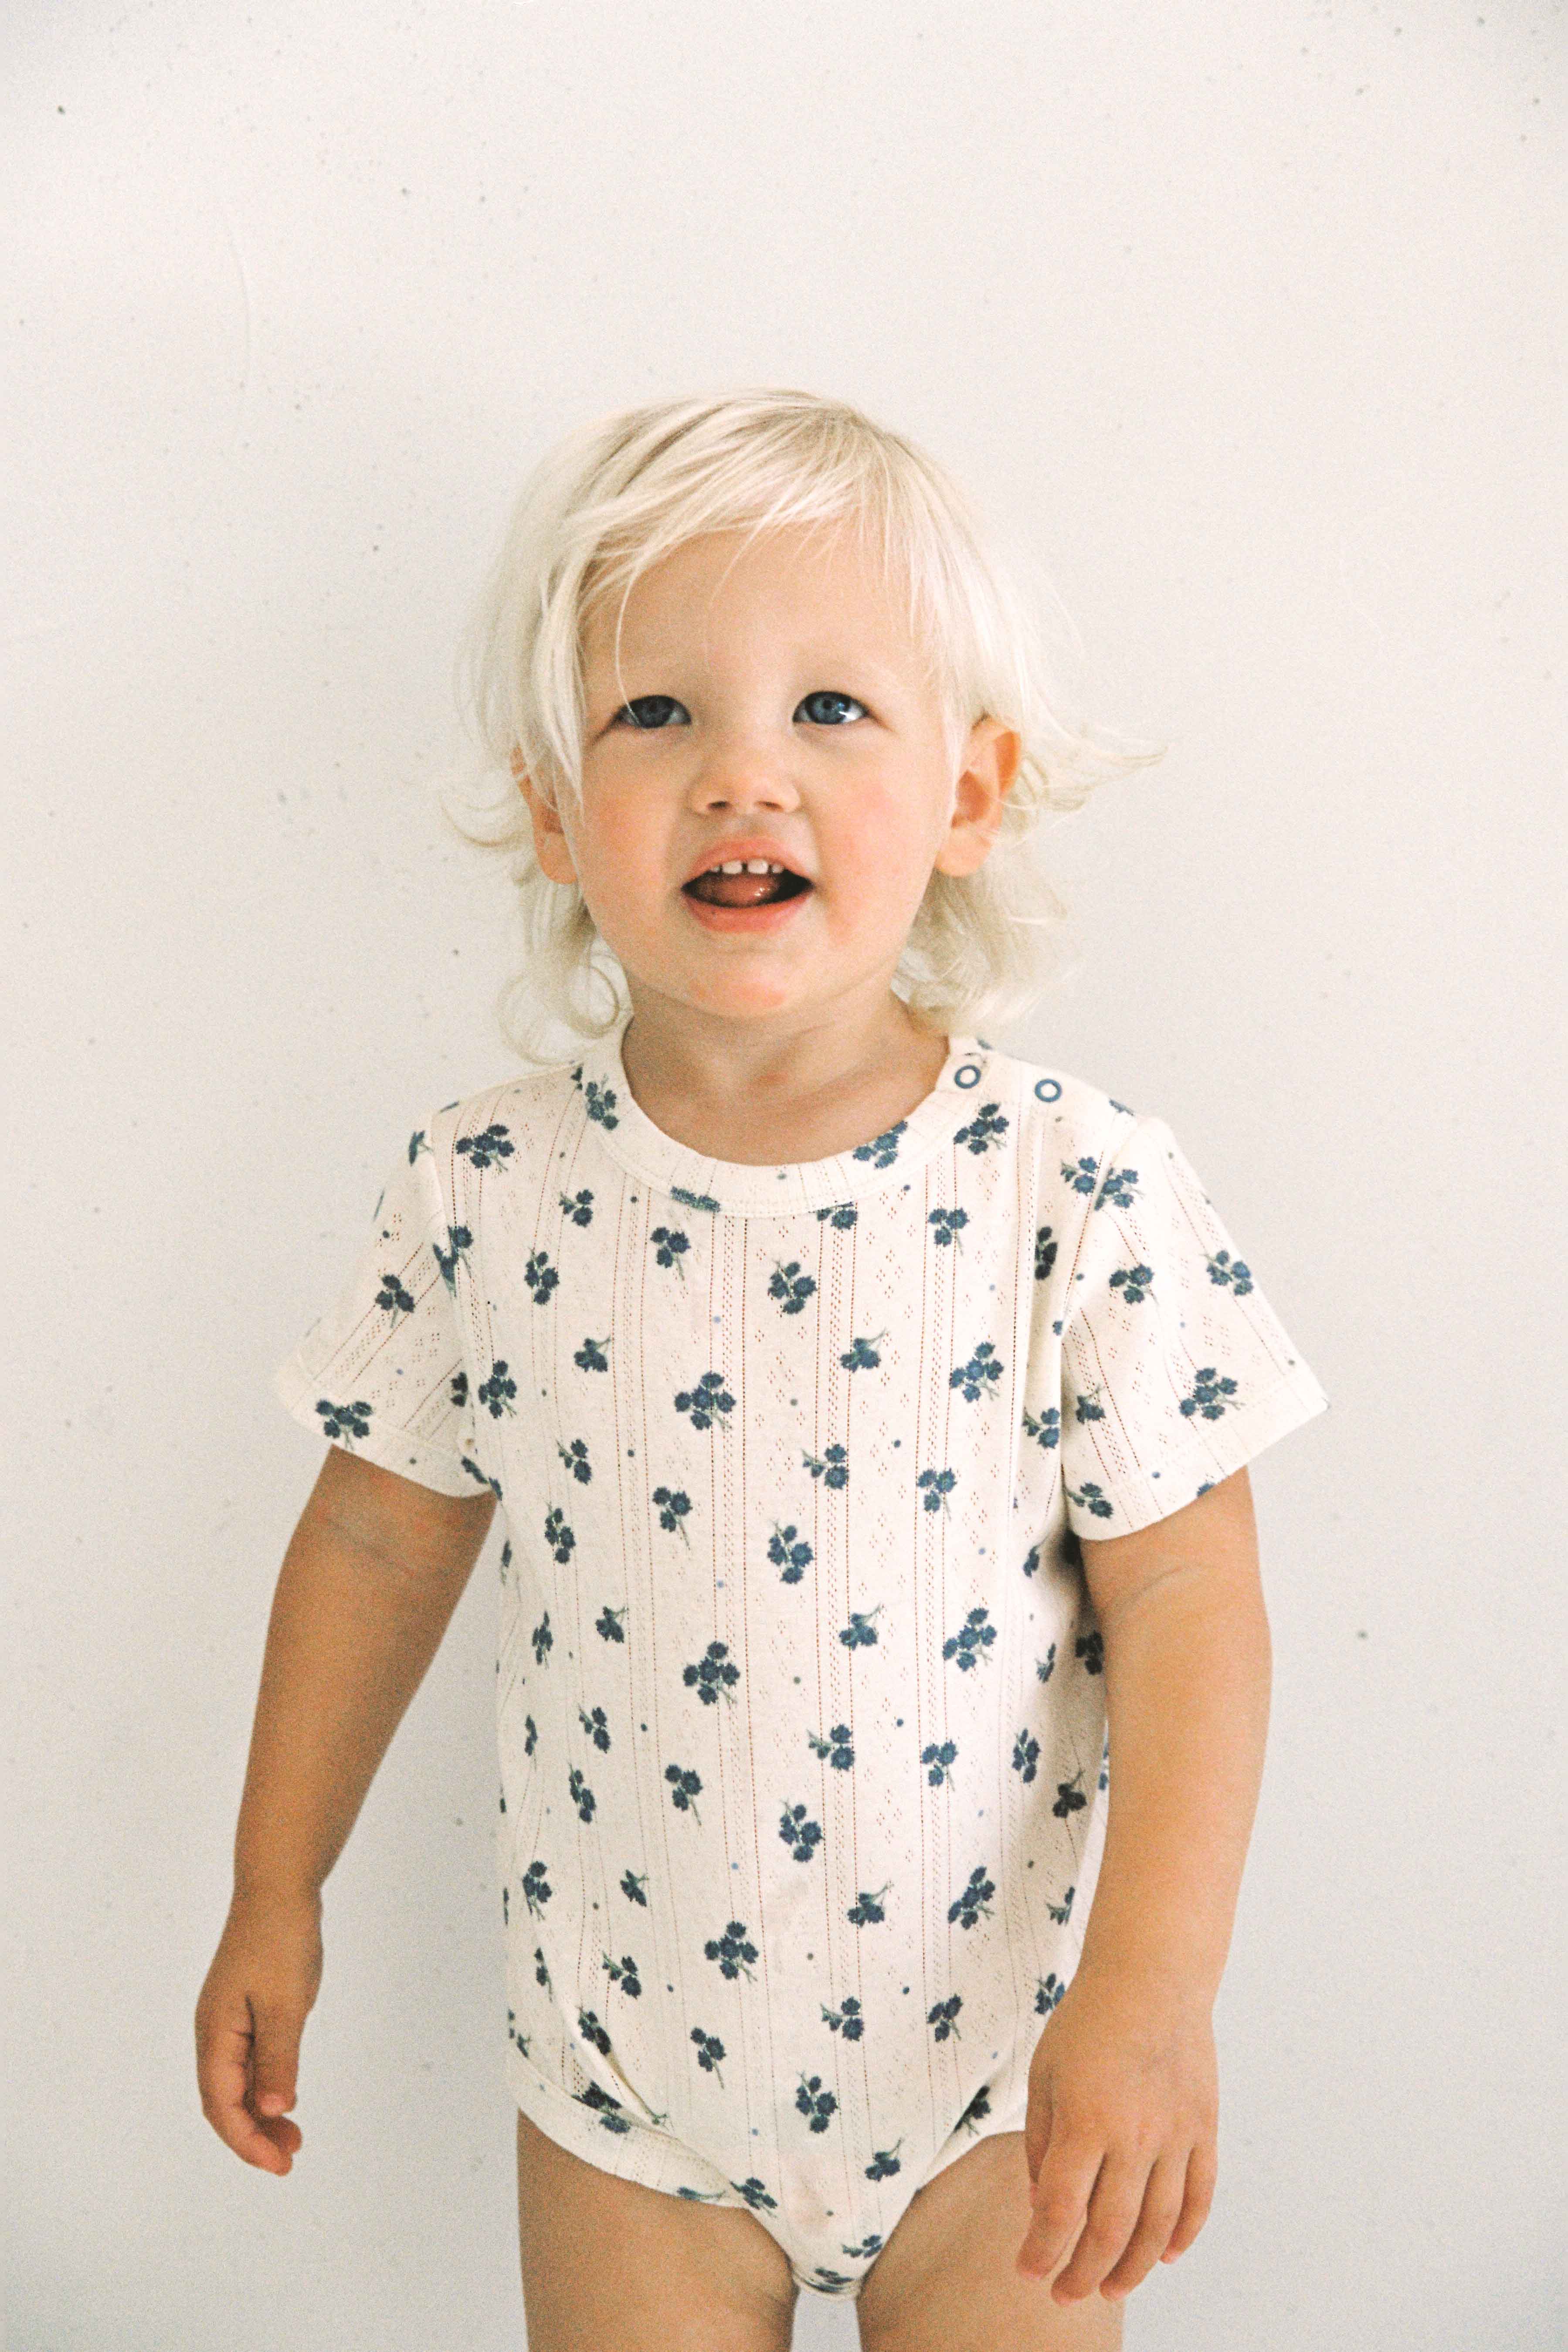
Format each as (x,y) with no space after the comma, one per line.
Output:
(828,708)
(650,710)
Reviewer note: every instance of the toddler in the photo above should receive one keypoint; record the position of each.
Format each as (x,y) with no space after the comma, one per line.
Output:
(866,1409)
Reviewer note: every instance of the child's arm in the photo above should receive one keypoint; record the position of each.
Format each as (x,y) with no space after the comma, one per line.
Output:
(1123,2107)
(369,1582)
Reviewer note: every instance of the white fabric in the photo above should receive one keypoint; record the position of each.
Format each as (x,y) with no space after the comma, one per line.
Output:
(801,1717)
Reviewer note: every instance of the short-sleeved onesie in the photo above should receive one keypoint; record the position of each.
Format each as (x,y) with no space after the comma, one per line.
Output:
(804,1759)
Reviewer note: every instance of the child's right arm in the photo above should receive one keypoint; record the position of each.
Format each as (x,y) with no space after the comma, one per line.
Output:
(372,1573)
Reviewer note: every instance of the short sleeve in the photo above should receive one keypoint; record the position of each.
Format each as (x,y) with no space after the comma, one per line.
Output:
(1175,1370)
(381,1373)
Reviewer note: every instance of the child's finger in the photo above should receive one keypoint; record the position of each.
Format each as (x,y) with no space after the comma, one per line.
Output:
(275,2054)
(1113,2211)
(1061,2196)
(223,2072)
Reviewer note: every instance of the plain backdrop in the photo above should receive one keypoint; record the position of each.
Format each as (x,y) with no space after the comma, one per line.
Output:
(1248,324)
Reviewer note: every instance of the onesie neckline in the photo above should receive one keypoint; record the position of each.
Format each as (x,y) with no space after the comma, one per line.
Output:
(625,1131)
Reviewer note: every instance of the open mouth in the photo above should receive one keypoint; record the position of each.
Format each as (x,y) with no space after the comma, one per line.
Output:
(745,889)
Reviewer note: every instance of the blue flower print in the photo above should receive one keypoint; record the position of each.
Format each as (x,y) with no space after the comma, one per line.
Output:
(600,1100)
(943,2017)
(867,1910)
(543,1639)
(788,1283)
(589,2027)
(802,1836)
(1093,1499)
(670,1246)
(941,1761)
(559,1535)
(461,1239)
(731,1950)
(840,1217)
(1208,1388)
(578,1210)
(672,1510)
(862,1356)
(532,1742)
(488,1150)
(1087,1410)
(416,1144)
(575,1457)
(882,1149)
(392,1298)
(979,2105)
(849,2020)
(988,1126)
(1223,1269)
(632,1887)
(1032,1559)
(499,1391)
(696,1200)
(886,2162)
(833,1469)
(541,1966)
(608,1623)
(863,2252)
(1044,1428)
(815,2101)
(1025,1754)
(947,1226)
(1134,1282)
(623,1972)
(1045,1254)
(828,2281)
(1082,1177)
(756,2195)
(1048,1991)
(1119,1189)
(539,1276)
(984,1365)
(861,1634)
(608,2108)
(1091,1648)
(970,1645)
(457,1397)
(1062,1912)
(591,1356)
(341,1422)
(788,1553)
(836,1748)
(939,1485)
(1045,1667)
(1071,1798)
(685,1788)
(707,1397)
(974,1899)
(596,1726)
(536,1888)
(710,2050)
(714,1676)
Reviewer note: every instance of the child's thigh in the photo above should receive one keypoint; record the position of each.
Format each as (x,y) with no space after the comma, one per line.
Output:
(945,2282)
(609,2262)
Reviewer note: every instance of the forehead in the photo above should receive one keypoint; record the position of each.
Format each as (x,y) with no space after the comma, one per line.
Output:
(790,588)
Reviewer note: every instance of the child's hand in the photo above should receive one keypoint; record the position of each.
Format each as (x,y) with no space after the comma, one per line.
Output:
(1121,2128)
(259,1989)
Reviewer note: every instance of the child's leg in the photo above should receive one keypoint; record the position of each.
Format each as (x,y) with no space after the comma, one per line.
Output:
(945,2282)
(609,2264)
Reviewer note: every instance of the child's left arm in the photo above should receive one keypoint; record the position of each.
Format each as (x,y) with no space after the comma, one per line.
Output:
(1124,2087)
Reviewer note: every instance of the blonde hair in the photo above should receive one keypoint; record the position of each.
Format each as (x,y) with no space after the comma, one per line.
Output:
(616,496)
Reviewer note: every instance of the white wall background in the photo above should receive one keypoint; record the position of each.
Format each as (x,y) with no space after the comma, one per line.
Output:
(1250,321)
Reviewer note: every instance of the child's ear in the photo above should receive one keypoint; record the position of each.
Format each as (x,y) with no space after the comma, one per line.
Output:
(550,846)
(991,761)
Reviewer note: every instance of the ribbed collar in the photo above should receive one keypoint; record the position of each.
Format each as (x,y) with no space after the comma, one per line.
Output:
(734,1187)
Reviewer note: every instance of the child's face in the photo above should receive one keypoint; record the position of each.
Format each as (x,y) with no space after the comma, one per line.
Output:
(771,690)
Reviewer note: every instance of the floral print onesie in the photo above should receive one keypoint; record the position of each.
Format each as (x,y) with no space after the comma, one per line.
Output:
(804,1761)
